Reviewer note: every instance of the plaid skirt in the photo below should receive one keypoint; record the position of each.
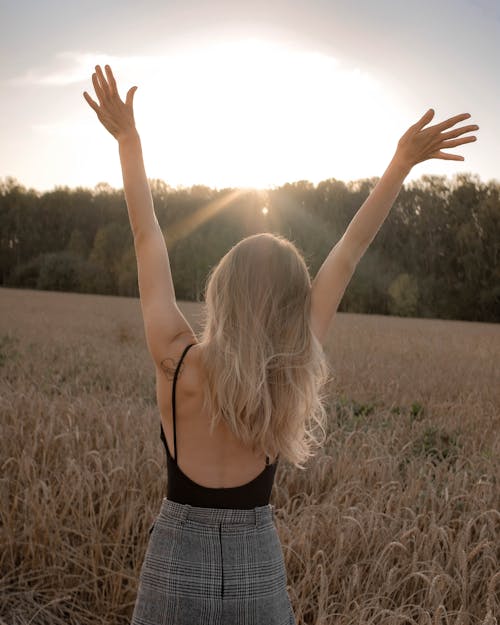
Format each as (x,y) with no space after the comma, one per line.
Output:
(213,566)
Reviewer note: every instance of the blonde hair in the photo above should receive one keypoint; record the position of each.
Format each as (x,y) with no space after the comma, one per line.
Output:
(265,368)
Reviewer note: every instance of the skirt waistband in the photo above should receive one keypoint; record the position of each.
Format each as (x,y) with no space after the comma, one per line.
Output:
(258,516)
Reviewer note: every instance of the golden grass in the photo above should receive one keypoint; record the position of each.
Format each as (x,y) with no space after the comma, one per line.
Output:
(396,521)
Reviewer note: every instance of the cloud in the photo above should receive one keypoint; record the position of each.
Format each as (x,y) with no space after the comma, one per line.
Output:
(79,66)
(68,128)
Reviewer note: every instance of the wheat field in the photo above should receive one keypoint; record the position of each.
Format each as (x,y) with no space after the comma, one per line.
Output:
(396,520)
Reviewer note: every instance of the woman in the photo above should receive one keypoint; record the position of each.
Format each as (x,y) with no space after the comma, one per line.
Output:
(248,391)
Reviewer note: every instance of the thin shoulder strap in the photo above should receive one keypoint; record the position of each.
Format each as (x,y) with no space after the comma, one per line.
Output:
(267,460)
(173,396)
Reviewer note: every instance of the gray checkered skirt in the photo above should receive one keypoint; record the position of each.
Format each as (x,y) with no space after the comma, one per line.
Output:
(213,566)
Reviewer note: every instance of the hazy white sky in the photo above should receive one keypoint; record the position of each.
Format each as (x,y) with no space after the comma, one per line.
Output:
(245,93)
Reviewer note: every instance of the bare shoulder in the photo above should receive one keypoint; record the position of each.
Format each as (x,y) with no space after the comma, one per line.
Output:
(171,355)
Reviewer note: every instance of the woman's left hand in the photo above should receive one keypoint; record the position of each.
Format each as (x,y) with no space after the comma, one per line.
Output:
(116,116)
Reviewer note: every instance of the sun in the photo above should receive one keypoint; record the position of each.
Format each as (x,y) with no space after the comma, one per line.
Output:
(256,114)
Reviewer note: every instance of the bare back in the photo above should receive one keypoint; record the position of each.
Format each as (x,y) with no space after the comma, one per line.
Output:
(217,461)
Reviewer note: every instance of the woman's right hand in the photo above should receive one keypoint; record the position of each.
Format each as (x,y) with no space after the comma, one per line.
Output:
(419,144)
(114,114)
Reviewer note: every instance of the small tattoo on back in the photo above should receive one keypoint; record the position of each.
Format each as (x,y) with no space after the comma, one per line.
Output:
(169,365)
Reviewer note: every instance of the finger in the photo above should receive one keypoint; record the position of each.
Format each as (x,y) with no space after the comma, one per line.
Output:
(91,102)
(102,81)
(448,157)
(130,96)
(98,88)
(111,79)
(451,121)
(454,142)
(458,131)
(425,119)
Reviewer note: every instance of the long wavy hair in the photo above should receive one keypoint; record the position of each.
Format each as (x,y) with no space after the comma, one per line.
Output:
(265,369)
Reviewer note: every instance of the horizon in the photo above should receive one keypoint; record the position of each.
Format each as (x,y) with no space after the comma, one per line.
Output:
(180,187)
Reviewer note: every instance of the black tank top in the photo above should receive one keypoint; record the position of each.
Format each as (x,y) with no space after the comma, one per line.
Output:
(183,490)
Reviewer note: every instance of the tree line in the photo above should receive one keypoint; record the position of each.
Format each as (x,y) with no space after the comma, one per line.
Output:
(436,255)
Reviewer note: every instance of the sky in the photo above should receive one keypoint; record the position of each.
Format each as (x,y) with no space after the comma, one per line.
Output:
(254,93)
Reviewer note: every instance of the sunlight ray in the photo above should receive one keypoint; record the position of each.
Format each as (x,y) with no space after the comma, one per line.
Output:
(184,227)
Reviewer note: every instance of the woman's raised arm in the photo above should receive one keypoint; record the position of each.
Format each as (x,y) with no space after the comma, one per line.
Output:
(118,118)
(416,145)
(163,320)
